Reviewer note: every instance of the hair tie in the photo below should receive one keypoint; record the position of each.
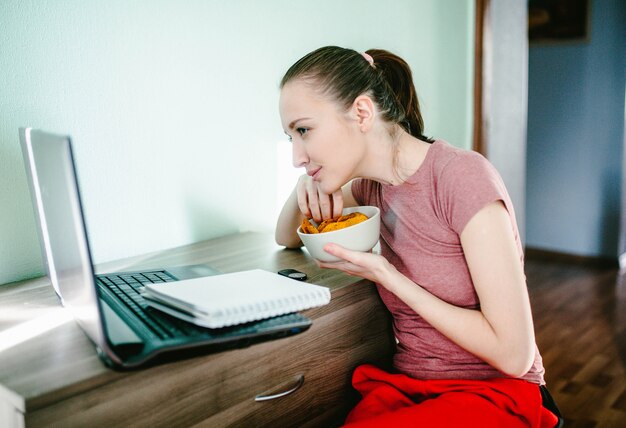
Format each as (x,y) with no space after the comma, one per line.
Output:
(368,58)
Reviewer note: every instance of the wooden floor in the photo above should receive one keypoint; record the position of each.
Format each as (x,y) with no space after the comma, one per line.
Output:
(580,324)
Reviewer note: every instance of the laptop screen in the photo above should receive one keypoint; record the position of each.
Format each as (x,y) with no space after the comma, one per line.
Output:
(55,194)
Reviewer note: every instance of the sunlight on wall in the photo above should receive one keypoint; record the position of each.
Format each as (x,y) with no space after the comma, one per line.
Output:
(29,329)
(286,174)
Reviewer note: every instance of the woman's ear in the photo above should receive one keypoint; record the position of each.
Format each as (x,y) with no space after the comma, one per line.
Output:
(364,109)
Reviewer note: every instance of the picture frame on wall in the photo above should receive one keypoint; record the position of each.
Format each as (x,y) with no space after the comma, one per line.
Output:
(555,21)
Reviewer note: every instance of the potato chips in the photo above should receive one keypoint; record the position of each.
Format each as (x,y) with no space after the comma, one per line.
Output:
(333,224)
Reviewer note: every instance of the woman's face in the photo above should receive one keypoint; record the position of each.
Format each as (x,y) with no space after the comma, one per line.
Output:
(323,135)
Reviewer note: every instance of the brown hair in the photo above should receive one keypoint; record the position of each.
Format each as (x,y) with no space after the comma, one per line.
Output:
(345,74)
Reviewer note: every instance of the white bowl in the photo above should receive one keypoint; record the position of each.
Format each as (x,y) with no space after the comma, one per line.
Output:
(359,237)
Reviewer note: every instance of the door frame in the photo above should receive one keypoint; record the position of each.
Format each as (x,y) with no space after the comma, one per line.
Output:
(482,67)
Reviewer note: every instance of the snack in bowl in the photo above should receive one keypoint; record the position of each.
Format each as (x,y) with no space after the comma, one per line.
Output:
(333,224)
(308,227)
(358,229)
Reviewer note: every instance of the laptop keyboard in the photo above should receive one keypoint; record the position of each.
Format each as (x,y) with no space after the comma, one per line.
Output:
(128,287)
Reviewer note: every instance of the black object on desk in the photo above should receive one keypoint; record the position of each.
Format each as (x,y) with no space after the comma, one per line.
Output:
(293,274)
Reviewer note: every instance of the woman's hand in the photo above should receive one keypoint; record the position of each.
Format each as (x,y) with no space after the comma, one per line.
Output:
(365,265)
(315,204)
(307,200)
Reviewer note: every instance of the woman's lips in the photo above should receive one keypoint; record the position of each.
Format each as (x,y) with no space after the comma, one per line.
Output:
(314,173)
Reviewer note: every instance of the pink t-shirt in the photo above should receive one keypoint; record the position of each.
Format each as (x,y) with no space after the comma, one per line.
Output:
(421,223)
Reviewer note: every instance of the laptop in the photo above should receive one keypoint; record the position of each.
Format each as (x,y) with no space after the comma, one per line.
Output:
(109,308)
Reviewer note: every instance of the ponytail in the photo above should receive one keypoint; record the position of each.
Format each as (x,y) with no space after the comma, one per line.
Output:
(397,80)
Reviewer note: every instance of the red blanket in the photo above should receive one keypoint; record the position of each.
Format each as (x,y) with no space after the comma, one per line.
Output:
(398,400)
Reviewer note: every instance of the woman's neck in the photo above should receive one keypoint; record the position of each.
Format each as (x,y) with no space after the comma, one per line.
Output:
(393,157)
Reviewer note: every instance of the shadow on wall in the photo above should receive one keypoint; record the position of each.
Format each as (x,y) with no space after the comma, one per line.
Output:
(610,222)
(17,218)
(205,223)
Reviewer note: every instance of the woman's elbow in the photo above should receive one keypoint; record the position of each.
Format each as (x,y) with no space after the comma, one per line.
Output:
(517,364)
(289,242)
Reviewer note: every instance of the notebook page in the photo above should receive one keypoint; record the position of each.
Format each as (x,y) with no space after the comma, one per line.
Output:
(227,299)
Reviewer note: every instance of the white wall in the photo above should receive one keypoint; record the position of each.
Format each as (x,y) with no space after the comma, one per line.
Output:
(173,105)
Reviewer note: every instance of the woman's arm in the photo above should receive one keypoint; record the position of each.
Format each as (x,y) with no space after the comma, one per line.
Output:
(501,332)
(306,201)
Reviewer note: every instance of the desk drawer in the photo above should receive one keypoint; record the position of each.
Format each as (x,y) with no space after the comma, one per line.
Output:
(326,358)
(220,389)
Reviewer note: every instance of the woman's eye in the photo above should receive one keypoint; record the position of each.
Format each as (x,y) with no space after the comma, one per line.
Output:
(300,131)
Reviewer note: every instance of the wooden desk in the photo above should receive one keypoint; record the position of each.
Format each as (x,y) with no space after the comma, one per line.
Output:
(56,378)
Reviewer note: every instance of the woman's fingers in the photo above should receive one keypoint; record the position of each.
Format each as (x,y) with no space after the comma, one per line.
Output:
(364,264)
(315,204)
(337,199)
(354,257)
(325,205)
(303,199)
(313,201)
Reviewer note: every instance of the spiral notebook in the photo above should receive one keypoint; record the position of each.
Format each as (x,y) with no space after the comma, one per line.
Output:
(234,298)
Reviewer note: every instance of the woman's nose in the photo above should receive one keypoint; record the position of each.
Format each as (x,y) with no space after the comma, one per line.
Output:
(299,156)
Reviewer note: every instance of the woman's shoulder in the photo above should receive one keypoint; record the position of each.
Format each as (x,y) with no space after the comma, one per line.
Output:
(457,169)
(445,151)
(449,159)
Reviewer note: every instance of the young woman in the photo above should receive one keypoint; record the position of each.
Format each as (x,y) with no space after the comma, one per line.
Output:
(451,264)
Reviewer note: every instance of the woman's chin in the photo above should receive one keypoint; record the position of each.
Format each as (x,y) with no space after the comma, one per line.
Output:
(329,188)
